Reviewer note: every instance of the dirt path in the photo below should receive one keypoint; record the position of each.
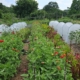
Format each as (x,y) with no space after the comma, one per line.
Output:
(23,66)
(75,49)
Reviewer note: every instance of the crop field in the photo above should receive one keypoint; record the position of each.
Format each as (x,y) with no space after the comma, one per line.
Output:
(39,40)
(36,52)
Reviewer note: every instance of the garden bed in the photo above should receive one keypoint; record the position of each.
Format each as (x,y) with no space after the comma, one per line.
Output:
(75,48)
(45,56)
(23,68)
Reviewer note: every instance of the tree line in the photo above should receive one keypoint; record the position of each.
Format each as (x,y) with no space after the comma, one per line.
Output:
(29,9)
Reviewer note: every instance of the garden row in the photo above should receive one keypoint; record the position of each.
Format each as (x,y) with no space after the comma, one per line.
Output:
(10,50)
(66,30)
(14,27)
(47,57)
(70,33)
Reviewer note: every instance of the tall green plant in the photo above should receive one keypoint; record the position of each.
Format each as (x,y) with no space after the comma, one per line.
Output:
(45,62)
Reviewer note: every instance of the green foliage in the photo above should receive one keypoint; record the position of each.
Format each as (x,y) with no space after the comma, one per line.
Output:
(75,16)
(8,16)
(24,33)
(45,62)
(0,13)
(45,21)
(38,14)
(52,10)
(75,7)
(75,36)
(65,19)
(1,5)
(65,13)
(74,61)
(54,14)
(10,50)
(24,8)
(45,28)
(51,6)
(5,9)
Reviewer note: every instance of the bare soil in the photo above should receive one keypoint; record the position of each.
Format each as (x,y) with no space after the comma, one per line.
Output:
(23,68)
(75,48)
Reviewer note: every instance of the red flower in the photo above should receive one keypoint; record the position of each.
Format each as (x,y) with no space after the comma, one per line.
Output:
(56,53)
(1,41)
(63,55)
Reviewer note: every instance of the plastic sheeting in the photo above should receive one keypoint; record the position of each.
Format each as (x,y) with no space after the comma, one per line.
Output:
(53,24)
(72,28)
(14,27)
(17,26)
(3,27)
(65,30)
(60,27)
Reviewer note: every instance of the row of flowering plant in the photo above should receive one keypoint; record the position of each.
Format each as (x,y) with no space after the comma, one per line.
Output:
(74,57)
(46,62)
(10,50)
(74,61)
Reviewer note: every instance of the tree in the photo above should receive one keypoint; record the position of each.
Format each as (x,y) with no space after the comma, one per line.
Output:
(51,6)
(4,9)
(39,14)
(24,8)
(75,7)
(1,6)
(52,10)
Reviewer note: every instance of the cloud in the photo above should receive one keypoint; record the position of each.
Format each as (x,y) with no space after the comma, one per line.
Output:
(8,3)
(63,4)
(4,2)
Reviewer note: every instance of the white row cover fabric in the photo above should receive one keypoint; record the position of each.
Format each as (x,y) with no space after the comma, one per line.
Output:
(17,26)
(14,27)
(60,27)
(64,29)
(72,28)
(53,23)
(3,28)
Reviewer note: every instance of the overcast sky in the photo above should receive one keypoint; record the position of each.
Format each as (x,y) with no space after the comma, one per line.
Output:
(63,4)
